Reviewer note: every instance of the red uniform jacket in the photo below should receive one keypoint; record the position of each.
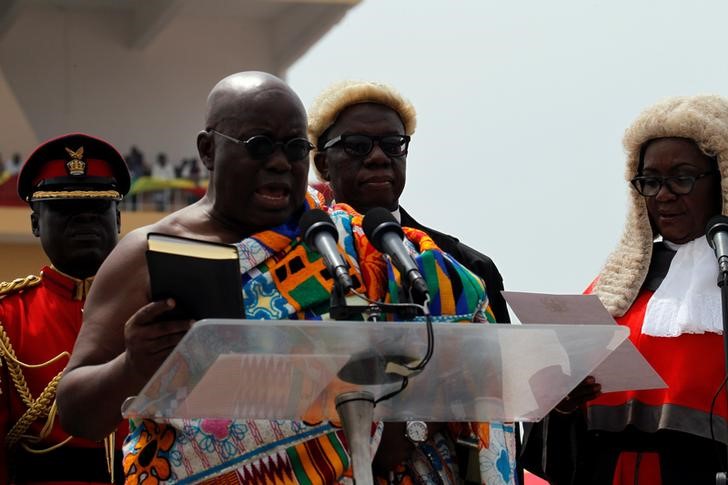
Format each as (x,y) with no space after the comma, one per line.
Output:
(41,323)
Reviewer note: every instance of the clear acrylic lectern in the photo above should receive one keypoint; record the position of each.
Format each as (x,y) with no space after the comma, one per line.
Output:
(285,369)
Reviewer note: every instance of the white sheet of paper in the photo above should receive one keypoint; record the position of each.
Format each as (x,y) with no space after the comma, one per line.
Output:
(622,370)
(566,309)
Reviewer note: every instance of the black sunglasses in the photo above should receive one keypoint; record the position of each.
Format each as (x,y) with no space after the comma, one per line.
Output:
(649,186)
(260,147)
(362,145)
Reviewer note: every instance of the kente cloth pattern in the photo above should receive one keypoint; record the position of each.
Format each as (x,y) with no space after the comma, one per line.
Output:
(283,279)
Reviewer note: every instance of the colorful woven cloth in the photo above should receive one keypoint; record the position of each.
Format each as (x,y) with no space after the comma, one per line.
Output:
(283,279)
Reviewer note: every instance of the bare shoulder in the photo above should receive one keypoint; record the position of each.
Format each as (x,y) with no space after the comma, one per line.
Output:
(128,258)
(117,271)
(122,282)
(193,221)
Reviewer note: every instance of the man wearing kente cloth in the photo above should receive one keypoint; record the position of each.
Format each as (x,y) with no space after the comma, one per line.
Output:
(73,185)
(254,144)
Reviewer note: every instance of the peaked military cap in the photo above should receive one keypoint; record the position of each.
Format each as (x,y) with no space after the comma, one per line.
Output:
(74,166)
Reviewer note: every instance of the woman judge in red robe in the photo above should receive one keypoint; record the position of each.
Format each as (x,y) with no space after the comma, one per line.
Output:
(660,282)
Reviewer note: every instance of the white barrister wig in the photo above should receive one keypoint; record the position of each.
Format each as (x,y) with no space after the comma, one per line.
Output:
(333,100)
(703,119)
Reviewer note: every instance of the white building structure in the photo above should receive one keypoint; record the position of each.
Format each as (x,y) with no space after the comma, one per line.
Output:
(137,72)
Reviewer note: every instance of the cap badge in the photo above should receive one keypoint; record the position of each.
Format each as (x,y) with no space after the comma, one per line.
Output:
(76,166)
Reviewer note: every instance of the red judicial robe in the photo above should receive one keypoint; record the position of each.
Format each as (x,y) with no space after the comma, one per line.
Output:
(693,367)
(646,437)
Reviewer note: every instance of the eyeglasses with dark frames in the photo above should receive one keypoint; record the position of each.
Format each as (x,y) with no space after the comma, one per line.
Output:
(359,145)
(260,147)
(649,186)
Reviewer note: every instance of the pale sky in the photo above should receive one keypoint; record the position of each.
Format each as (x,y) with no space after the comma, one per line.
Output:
(521,110)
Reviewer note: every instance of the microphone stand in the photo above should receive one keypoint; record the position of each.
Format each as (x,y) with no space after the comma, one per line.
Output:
(338,308)
(721,478)
(356,408)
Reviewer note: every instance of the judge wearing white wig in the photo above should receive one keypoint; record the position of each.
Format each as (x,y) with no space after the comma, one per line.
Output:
(660,282)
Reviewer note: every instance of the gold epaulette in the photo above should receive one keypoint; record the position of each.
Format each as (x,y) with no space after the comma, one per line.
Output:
(9,287)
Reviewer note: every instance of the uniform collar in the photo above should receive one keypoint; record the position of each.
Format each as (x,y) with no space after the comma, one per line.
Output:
(68,286)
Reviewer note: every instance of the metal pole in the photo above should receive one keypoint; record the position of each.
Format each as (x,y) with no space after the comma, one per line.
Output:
(720,478)
(356,410)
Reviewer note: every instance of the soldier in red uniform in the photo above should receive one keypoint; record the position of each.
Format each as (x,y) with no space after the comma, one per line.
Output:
(73,185)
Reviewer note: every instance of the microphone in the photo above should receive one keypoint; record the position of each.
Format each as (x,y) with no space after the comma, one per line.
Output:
(717,233)
(319,232)
(385,233)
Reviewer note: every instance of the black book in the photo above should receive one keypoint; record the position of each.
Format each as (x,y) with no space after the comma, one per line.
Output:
(203,277)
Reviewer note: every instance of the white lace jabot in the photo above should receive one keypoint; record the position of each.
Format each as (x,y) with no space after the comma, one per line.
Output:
(688,300)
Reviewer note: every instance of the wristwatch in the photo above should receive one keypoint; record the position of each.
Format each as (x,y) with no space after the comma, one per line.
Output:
(416,431)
